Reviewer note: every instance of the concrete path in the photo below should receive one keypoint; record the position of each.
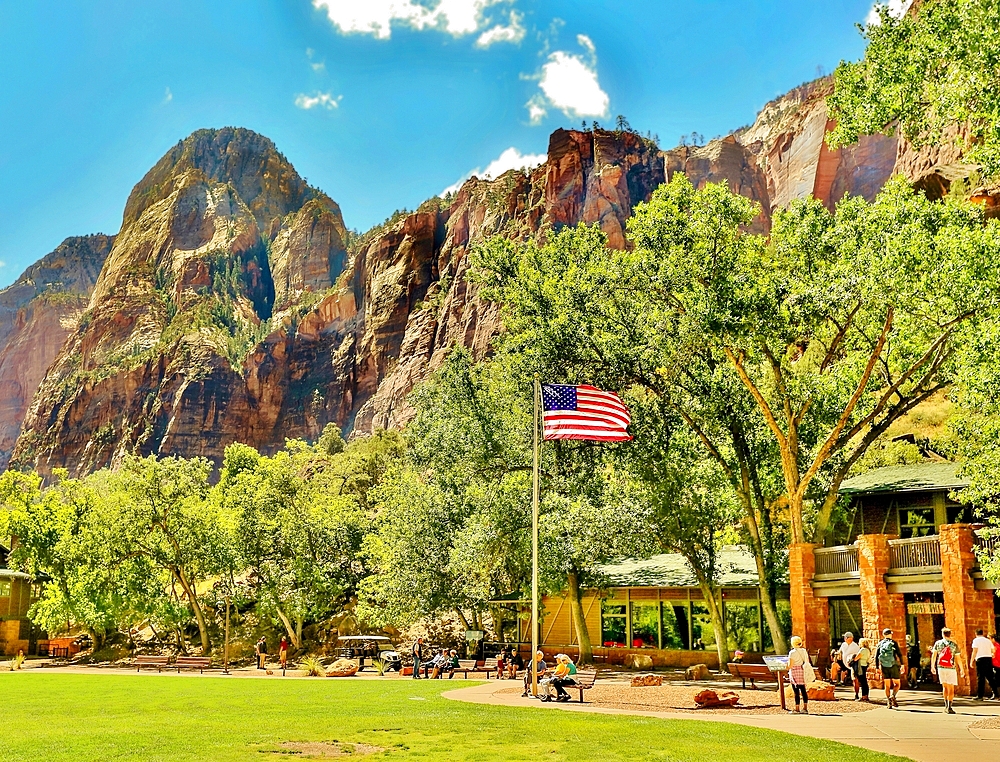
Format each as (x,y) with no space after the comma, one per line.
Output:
(919,729)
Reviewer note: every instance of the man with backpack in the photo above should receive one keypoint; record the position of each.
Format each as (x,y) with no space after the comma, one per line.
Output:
(889,659)
(947,665)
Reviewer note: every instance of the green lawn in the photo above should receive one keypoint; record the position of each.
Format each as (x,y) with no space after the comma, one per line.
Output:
(73,717)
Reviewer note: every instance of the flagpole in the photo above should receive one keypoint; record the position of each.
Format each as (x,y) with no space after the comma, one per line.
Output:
(536,393)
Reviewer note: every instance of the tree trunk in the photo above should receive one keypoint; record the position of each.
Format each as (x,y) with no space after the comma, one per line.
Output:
(718,623)
(292,635)
(763,581)
(199,615)
(579,621)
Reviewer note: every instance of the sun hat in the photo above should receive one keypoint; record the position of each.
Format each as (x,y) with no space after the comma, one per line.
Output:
(796,641)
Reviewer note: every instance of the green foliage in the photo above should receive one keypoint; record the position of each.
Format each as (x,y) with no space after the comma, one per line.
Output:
(930,71)
(313,667)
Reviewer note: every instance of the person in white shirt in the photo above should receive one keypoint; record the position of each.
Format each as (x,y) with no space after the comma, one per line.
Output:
(848,650)
(982,659)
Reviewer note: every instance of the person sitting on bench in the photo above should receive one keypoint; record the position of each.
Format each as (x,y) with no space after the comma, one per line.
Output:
(541,667)
(563,676)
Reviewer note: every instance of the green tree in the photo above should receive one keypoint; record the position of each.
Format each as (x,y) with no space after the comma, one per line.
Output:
(164,515)
(297,537)
(934,72)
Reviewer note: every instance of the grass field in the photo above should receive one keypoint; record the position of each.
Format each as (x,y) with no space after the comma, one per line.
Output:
(46,717)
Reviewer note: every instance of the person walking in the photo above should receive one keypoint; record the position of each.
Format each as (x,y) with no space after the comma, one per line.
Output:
(860,668)
(416,650)
(848,652)
(947,664)
(889,659)
(283,653)
(981,657)
(261,651)
(800,673)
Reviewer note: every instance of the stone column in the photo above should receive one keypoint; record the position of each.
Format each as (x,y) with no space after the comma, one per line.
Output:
(879,607)
(965,608)
(810,613)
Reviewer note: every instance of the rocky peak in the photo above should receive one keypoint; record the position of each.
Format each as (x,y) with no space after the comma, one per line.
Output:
(37,313)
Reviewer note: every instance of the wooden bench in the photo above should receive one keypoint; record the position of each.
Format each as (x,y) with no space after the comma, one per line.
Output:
(752,672)
(584,680)
(200,663)
(465,666)
(151,661)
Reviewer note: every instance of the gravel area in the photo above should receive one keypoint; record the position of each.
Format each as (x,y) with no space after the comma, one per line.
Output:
(987,723)
(680,697)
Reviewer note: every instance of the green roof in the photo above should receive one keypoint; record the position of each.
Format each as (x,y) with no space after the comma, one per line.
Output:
(919,477)
(736,569)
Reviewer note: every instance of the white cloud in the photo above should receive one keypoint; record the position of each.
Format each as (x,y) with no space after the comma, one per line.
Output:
(324,100)
(2,264)
(315,65)
(536,108)
(168,96)
(896,9)
(376,17)
(510,159)
(569,83)
(513,32)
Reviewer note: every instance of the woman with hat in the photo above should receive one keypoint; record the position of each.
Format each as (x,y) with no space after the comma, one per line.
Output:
(800,673)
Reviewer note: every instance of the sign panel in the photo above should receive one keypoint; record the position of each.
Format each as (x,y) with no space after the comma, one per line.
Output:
(924,608)
(776,663)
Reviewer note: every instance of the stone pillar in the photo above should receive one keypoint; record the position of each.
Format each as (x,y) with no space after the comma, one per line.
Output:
(879,607)
(810,613)
(965,608)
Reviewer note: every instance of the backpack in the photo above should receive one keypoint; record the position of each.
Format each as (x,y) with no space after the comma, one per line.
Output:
(886,654)
(947,658)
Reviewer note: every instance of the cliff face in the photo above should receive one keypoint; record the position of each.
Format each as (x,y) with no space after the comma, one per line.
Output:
(37,313)
(230,308)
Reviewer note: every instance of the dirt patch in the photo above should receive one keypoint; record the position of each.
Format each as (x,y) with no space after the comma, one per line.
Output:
(673,697)
(322,749)
(987,723)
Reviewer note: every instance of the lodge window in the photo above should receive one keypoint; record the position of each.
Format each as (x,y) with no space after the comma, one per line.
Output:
(916,522)
(645,625)
(743,625)
(614,624)
(674,629)
(702,631)
(4,589)
(36,590)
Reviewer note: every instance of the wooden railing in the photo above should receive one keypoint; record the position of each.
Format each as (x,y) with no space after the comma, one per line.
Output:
(987,543)
(840,561)
(914,553)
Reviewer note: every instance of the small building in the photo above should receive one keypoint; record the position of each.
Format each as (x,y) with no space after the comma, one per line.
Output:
(908,562)
(17,592)
(654,607)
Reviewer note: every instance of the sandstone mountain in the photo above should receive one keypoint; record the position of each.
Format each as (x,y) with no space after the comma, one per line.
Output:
(233,307)
(37,313)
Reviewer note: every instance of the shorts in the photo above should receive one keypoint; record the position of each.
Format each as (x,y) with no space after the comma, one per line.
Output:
(890,673)
(947,675)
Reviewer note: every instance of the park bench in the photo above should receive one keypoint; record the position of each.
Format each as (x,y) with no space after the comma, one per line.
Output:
(151,661)
(752,672)
(584,681)
(200,663)
(465,666)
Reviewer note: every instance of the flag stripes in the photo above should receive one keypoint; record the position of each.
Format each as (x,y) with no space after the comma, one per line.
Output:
(583,412)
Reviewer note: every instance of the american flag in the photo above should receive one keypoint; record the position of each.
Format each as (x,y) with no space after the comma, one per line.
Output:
(583,412)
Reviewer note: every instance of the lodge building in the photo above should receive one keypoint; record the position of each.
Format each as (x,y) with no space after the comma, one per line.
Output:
(908,561)
(17,593)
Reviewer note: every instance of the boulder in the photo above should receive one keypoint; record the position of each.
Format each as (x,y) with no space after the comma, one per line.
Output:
(638,661)
(640,681)
(706,699)
(343,668)
(697,672)
(818,690)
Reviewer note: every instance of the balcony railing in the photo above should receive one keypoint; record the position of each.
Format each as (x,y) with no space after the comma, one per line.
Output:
(914,553)
(987,543)
(837,562)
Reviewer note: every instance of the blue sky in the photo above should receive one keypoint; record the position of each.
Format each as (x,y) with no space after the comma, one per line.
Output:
(380,103)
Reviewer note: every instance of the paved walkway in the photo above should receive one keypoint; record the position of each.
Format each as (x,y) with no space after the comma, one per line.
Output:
(919,729)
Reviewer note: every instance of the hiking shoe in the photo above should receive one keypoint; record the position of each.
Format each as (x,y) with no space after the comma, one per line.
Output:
(950,710)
